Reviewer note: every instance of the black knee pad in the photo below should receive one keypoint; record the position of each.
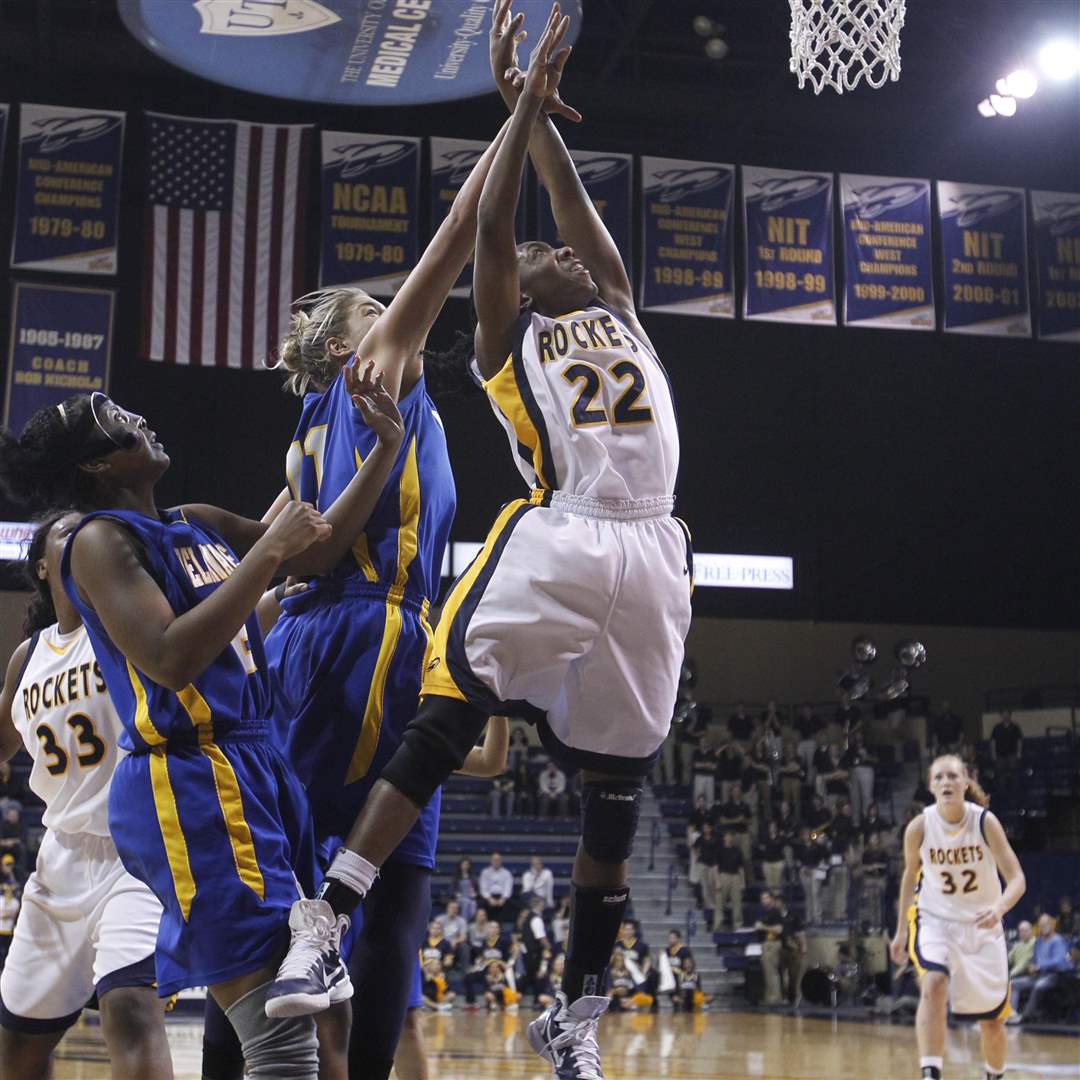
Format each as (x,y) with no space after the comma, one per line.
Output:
(609,819)
(434,745)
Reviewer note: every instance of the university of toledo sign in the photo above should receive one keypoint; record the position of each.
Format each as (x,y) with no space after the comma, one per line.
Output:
(246,18)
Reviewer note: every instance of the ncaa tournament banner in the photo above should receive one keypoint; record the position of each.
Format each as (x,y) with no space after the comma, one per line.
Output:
(687,253)
(1055,217)
(370,206)
(607,179)
(451,162)
(984,255)
(888,262)
(789,246)
(61,341)
(68,197)
(4,109)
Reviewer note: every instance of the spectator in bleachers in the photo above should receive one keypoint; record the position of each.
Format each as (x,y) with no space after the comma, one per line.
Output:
(771,854)
(465,889)
(946,732)
(639,961)
(692,728)
(843,839)
(875,880)
(1066,918)
(772,729)
(832,777)
(848,718)
(700,814)
(455,929)
(551,787)
(496,888)
(691,995)
(729,769)
(1050,962)
(783,953)
(673,958)
(517,749)
(872,823)
(807,726)
(499,993)
(501,799)
(494,948)
(620,983)
(433,987)
(560,921)
(818,818)
(12,785)
(1007,743)
(741,725)
(707,851)
(478,927)
(525,789)
(10,903)
(735,817)
(538,881)
(703,766)
(436,948)
(787,822)
(12,837)
(1022,953)
(859,762)
(792,775)
(730,876)
(549,981)
(757,780)
(538,946)
(666,769)
(811,856)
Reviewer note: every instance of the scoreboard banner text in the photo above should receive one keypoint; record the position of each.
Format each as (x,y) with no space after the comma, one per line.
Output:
(984,259)
(789,246)
(61,341)
(687,254)
(68,198)
(370,203)
(888,261)
(1055,217)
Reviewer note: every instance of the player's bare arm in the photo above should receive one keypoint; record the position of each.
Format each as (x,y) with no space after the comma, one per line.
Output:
(10,740)
(913,838)
(1008,866)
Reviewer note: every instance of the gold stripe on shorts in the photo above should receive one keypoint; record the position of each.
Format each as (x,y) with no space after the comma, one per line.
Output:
(171,834)
(232,810)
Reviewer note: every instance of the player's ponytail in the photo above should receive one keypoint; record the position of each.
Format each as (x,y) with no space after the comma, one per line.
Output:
(446,371)
(40,612)
(302,352)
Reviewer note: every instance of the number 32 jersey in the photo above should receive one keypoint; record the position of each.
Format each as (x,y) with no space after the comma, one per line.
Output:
(958,877)
(67,721)
(587,407)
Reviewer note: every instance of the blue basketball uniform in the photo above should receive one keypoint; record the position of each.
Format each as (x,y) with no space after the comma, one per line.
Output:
(347,655)
(204,809)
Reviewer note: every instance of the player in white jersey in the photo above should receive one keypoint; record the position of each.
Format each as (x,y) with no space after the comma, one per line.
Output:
(87,928)
(575,611)
(949,915)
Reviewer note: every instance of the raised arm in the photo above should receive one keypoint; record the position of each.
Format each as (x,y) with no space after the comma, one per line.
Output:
(913,838)
(10,740)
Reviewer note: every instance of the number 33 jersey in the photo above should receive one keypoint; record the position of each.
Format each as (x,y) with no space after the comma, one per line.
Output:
(587,407)
(67,721)
(959,876)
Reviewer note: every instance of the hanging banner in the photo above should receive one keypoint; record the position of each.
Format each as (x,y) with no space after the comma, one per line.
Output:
(4,110)
(687,254)
(608,181)
(888,262)
(370,192)
(61,340)
(68,198)
(1055,218)
(789,246)
(451,162)
(984,257)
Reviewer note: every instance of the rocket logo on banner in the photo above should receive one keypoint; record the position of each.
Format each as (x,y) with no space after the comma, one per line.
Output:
(687,254)
(888,263)
(789,248)
(1055,217)
(370,199)
(984,257)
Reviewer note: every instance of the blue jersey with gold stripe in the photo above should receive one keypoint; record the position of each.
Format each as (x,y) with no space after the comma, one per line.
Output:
(401,548)
(231,696)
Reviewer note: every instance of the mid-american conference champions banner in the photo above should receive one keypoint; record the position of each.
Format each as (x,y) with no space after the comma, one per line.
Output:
(984,258)
(68,198)
(608,180)
(370,207)
(789,247)
(1055,217)
(451,162)
(61,340)
(687,253)
(888,262)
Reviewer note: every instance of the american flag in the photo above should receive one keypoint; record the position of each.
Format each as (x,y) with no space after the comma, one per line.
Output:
(222,260)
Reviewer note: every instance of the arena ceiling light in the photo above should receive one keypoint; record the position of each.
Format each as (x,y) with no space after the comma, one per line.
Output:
(1003,105)
(1060,59)
(1020,84)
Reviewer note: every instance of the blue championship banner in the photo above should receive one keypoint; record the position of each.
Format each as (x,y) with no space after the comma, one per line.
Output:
(61,340)
(451,162)
(4,110)
(1055,217)
(687,251)
(888,262)
(984,256)
(68,196)
(607,180)
(370,206)
(789,246)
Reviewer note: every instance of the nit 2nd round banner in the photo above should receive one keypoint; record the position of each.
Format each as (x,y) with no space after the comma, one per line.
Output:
(68,199)
(687,251)
(1055,218)
(370,208)
(61,341)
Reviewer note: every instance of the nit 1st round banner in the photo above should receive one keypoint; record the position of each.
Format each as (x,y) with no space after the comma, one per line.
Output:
(343,52)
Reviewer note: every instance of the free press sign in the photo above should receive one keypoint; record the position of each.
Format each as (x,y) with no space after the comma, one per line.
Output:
(744,571)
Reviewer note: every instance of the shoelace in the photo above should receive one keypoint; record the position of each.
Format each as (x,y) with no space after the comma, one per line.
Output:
(307,949)
(580,1039)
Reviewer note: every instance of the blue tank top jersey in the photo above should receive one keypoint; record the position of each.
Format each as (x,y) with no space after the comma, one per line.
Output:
(232,695)
(401,549)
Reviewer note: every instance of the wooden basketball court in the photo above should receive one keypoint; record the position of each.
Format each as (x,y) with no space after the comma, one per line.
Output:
(712,1046)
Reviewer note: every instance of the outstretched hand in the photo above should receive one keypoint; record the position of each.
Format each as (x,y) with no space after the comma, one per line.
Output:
(506,35)
(378,408)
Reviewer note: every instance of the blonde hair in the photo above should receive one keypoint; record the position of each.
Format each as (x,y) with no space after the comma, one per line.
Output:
(302,352)
(972,788)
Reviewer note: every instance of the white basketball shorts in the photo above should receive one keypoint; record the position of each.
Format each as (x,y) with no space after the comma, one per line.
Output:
(573,615)
(86,925)
(976,962)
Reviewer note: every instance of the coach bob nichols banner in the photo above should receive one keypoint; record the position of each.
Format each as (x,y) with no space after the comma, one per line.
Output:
(60,344)
(1055,217)
(608,180)
(68,190)
(984,258)
(789,248)
(686,258)
(888,263)
(370,206)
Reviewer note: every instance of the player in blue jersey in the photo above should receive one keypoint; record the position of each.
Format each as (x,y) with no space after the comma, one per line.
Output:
(203,809)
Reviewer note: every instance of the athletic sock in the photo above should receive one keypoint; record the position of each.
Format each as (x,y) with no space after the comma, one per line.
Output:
(993,1074)
(595,918)
(347,881)
(931,1067)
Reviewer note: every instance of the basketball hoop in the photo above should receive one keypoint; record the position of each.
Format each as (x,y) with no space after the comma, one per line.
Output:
(838,42)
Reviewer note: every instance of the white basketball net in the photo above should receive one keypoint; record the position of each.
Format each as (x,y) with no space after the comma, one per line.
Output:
(838,42)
